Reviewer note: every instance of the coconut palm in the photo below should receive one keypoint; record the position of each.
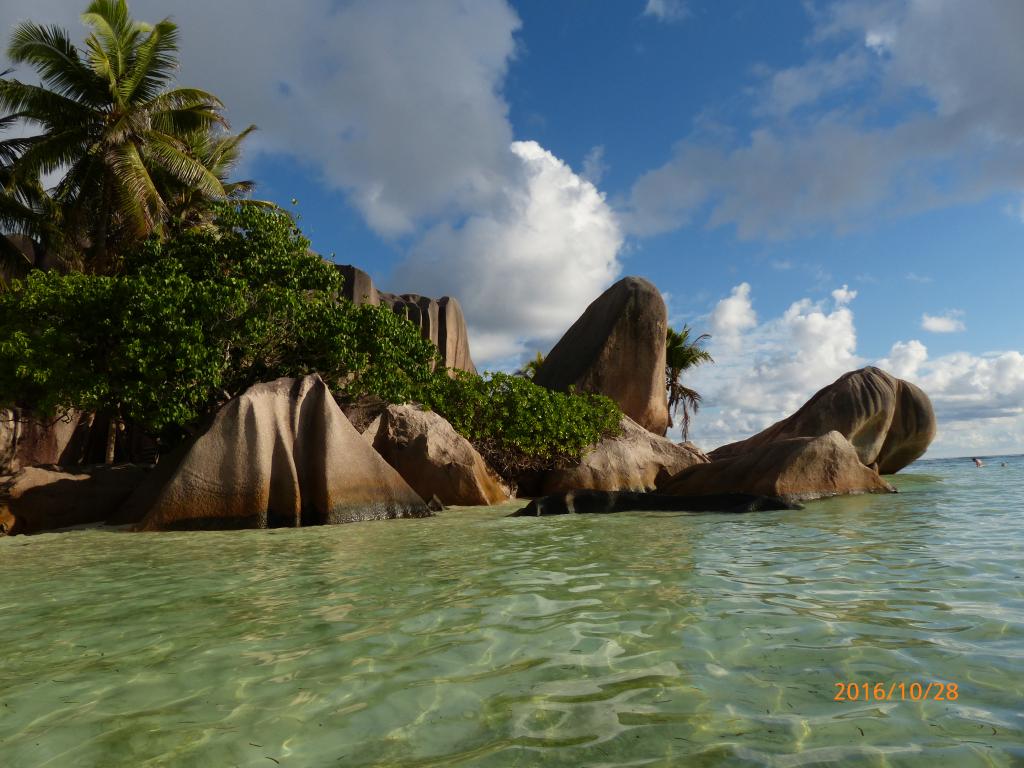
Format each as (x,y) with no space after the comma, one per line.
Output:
(682,354)
(529,370)
(120,138)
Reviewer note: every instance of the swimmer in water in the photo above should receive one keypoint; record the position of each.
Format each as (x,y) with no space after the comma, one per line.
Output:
(978,462)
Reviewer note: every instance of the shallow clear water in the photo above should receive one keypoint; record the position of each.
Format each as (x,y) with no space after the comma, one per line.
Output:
(475,639)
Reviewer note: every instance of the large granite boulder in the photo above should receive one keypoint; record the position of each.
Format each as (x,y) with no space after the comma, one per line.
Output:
(796,469)
(433,458)
(635,460)
(439,320)
(889,422)
(26,440)
(281,455)
(37,499)
(617,348)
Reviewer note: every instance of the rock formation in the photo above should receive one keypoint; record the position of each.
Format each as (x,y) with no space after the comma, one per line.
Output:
(439,320)
(433,458)
(606,502)
(27,441)
(282,454)
(636,460)
(36,499)
(617,348)
(796,469)
(890,422)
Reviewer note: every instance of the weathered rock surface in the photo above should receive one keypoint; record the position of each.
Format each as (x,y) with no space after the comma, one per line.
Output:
(435,459)
(282,454)
(439,320)
(37,499)
(889,422)
(606,502)
(28,441)
(636,460)
(617,348)
(797,468)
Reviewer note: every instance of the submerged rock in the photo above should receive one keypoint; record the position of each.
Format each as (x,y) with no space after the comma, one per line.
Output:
(636,460)
(604,502)
(888,421)
(798,468)
(281,454)
(433,458)
(37,499)
(617,348)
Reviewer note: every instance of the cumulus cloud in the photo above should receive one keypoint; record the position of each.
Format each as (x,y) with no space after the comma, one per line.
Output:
(978,399)
(767,370)
(666,10)
(809,165)
(527,268)
(733,315)
(949,322)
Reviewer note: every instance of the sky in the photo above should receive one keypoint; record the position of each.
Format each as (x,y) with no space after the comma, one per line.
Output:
(818,185)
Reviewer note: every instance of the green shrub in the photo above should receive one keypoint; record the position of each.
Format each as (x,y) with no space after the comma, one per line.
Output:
(195,320)
(519,426)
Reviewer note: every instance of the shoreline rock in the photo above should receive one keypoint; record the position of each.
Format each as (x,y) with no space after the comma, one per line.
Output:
(795,469)
(617,348)
(890,422)
(280,455)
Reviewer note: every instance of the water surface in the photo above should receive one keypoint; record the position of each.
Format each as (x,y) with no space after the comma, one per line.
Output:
(474,639)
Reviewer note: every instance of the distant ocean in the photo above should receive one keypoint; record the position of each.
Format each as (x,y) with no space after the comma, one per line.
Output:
(477,639)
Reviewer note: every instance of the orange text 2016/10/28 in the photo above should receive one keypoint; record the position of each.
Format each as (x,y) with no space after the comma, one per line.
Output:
(896,691)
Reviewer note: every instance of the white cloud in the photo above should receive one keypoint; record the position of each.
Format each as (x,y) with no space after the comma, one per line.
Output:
(905,358)
(766,371)
(396,103)
(527,268)
(843,296)
(949,322)
(594,165)
(666,10)
(847,138)
(733,315)
(978,399)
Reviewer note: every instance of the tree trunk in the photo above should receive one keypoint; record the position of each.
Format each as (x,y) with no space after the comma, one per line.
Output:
(112,426)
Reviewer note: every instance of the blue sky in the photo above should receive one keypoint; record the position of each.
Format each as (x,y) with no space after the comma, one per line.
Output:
(820,185)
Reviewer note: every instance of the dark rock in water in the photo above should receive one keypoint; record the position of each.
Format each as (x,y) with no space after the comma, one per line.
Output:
(38,499)
(439,320)
(604,502)
(888,421)
(617,349)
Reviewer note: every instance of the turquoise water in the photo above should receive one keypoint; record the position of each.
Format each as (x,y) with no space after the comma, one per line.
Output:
(475,639)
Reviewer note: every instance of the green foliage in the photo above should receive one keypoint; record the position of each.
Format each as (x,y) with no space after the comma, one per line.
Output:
(681,354)
(518,425)
(134,152)
(197,319)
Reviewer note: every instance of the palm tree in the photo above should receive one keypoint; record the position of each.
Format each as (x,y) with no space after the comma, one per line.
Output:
(529,370)
(681,354)
(122,140)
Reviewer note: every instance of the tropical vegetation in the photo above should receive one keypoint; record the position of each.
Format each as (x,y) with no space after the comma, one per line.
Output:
(681,354)
(120,151)
(196,318)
